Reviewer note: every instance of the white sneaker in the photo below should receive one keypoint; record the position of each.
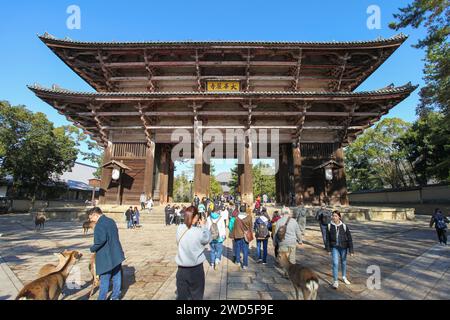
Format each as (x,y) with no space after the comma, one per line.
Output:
(211,267)
(336,284)
(345,280)
(217,262)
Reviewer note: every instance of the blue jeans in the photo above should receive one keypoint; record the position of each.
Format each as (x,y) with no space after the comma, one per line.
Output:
(323,229)
(116,276)
(258,249)
(130,224)
(216,251)
(337,252)
(241,245)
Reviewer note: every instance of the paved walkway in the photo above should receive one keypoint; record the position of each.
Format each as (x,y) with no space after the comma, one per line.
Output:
(412,266)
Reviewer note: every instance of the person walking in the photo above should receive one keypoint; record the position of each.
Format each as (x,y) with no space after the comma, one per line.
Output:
(143,200)
(261,227)
(275,217)
(224,214)
(150,205)
(129,217)
(242,234)
(196,201)
(440,222)
(338,243)
(216,226)
(202,209)
(323,216)
(288,235)
(167,211)
(136,216)
(192,236)
(233,216)
(109,254)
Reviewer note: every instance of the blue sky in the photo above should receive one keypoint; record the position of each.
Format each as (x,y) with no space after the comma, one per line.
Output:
(25,59)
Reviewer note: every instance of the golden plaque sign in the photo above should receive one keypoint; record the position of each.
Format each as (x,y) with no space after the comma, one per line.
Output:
(223,86)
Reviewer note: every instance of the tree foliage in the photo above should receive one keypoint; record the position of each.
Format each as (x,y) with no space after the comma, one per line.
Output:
(262,182)
(375,160)
(435,16)
(32,150)
(182,189)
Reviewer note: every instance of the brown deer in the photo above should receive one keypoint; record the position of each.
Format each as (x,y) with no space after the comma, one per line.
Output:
(50,267)
(95,277)
(50,286)
(88,225)
(39,221)
(302,278)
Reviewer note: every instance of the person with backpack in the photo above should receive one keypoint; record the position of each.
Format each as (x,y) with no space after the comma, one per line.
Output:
(233,216)
(196,201)
(262,234)
(192,237)
(242,233)
(287,235)
(300,214)
(338,243)
(202,210)
(275,217)
(323,216)
(216,225)
(440,222)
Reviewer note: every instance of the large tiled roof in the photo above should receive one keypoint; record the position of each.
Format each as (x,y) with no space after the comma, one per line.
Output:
(47,38)
(407,88)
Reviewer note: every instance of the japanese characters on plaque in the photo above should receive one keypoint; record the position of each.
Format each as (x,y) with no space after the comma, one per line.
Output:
(223,86)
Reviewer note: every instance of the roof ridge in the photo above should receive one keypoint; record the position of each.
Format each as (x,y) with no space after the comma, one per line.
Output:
(48,36)
(388,89)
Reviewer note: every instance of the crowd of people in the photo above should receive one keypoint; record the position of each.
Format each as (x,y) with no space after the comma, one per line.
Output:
(210,221)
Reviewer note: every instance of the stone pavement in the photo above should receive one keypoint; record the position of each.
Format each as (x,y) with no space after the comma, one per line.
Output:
(405,251)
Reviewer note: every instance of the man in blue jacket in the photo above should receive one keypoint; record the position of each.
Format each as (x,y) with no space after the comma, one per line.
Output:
(109,254)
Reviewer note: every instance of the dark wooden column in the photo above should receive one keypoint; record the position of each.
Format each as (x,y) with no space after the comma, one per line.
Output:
(206,178)
(171,175)
(298,189)
(248,172)
(149,167)
(199,189)
(341,182)
(284,175)
(164,176)
(106,174)
(277,180)
(240,174)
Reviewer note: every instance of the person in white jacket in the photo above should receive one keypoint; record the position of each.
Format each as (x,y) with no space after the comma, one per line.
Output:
(216,225)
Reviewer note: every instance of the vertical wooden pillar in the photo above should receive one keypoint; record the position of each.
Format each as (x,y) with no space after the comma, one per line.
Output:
(284,176)
(277,180)
(248,172)
(341,182)
(171,175)
(206,178)
(240,173)
(296,154)
(148,172)
(164,176)
(198,162)
(106,174)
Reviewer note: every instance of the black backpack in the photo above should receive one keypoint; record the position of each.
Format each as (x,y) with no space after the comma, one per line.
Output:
(262,231)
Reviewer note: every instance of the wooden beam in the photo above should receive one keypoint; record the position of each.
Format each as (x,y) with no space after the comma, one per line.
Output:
(298,69)
(148,67)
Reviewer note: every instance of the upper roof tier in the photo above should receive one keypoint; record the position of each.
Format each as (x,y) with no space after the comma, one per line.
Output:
(258,66)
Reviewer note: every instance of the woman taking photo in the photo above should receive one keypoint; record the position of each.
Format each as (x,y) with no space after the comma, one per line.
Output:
(338,243)
(192,237)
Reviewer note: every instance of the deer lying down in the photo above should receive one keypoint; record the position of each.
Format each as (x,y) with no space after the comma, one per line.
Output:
(50,268)
(302,278)
(88,225)
(50,286)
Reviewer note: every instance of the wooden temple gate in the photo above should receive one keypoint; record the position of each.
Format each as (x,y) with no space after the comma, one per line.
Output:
(147,91)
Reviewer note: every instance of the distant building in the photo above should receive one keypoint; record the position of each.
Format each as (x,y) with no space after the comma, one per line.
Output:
(224,178)
(76,180)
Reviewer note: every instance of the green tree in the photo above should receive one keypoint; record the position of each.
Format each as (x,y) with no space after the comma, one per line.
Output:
(182,188)
(32,150)
(262,182)
(95,151)
(427,148)
(375,160)
(435,16)
(215,187)
(429,139)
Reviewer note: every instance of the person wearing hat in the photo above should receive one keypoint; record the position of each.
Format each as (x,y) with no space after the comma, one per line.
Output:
(338,243)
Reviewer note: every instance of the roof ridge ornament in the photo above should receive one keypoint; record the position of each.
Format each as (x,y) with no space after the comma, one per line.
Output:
(47,35)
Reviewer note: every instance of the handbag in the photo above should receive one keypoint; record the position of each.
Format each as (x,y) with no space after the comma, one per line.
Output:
(248,233)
